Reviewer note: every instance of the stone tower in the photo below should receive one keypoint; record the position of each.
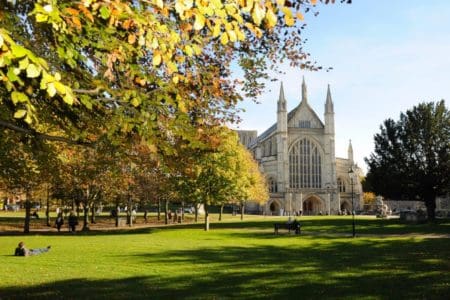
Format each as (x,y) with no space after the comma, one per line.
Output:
(281,136)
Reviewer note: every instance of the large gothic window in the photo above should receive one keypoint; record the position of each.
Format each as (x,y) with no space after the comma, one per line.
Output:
(305,165)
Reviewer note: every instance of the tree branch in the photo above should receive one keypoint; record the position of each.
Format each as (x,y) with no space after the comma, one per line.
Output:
(88,92)
(43,136)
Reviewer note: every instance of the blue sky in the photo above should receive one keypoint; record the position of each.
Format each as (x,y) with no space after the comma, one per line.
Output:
(387,56)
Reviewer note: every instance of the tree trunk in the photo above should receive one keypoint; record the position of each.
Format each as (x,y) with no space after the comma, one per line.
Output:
(159,209)
(117,214)
(242,211)
(129,211)
(196,212)
(166,210)
(182,210)
(26,227)
(221,212)
(206,216)
(85,217)
(93,213)
(47,209)
(430,203)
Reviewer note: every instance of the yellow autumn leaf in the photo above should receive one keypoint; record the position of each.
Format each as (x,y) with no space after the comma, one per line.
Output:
(216,30)
(313,2)
(289,21)
(197,49)
(51,89)
(271,18)
(156,59)
(258,13)
(224,38)
(131,39)
(68,98)
(232,36)
(33,71)
(188,50)
(199,21)
(172,67)
(300,16)
(20,113)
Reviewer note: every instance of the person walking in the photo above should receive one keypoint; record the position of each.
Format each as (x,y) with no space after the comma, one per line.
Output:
(73,222)
(59,222)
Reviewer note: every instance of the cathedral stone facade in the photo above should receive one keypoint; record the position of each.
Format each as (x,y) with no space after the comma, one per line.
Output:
(297,155)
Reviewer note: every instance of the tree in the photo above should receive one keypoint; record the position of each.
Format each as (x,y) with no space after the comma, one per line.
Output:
(412,156)
(154,67)
(222,173)
(25,164)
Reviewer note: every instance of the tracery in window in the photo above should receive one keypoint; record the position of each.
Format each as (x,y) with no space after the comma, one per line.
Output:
(305,165)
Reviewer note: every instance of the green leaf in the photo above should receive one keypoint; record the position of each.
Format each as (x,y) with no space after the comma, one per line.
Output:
(41,18)
(135,102)
(33,71)
(86,101)
(18,97)
(68,98)
(28,119)
(20,113)
(104,12)
(23,64)
(61,88)
(18,51)
(51,90)
(11,75)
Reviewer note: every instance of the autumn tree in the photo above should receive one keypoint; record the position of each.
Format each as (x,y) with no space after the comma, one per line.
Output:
(154,67)
(25,164)
(412,156)
(222,173)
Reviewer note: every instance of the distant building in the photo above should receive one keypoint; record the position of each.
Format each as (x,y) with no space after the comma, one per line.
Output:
(297,155)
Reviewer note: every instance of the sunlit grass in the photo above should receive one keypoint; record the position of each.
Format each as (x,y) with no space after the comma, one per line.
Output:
(235,260)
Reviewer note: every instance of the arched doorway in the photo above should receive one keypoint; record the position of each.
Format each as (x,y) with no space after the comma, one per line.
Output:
(274,208)
(313,206)
(346,208)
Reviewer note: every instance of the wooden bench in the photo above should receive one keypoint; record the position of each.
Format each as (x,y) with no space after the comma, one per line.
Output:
(294,226)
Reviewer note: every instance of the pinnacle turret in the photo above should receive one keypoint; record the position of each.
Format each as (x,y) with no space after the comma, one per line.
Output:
(329,107)
(350,152)
(281,99)
(304,91)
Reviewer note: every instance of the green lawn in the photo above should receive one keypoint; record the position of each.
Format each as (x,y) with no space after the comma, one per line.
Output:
(235,260)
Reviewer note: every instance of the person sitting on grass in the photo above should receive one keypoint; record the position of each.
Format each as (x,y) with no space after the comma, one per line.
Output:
(22,251)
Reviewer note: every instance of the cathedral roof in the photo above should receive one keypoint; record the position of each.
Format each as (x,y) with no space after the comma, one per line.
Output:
(291,114)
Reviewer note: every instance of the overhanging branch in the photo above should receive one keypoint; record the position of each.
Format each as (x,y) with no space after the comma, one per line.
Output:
(43,136)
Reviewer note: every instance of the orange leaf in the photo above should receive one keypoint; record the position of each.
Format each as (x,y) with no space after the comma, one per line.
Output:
(86,12)
(131,39)
(72,11)
(77,22)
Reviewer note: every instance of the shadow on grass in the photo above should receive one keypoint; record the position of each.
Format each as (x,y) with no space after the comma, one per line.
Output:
(391,269)
(310,225)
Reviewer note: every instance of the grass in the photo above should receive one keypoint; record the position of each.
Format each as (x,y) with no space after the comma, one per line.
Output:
(235,259)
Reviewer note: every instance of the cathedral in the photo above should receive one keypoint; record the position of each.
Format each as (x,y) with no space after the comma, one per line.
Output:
(297,156)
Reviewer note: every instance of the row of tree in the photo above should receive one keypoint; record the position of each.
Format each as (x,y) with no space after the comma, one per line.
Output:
(130,173)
